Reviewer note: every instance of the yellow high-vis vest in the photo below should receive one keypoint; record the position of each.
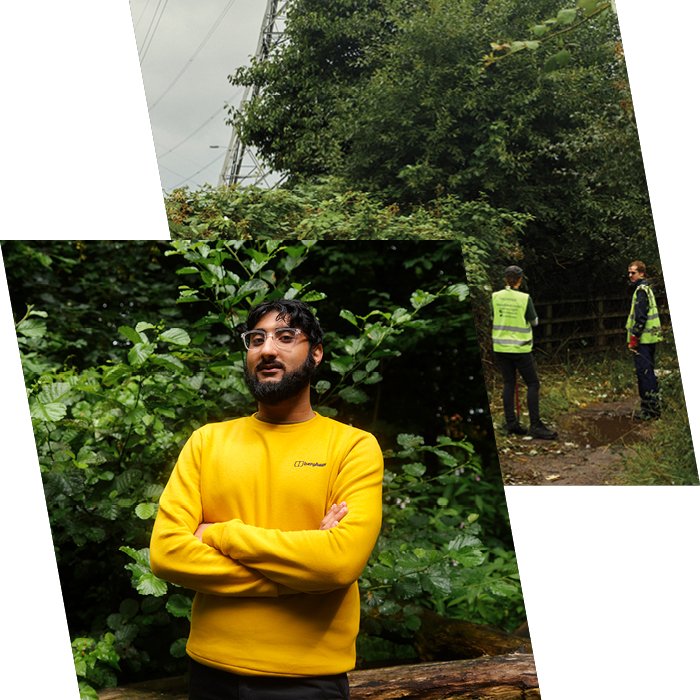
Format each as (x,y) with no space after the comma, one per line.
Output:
(511,332)
(652,327)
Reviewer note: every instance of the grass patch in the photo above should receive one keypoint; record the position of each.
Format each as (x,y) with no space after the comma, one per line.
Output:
(668,458)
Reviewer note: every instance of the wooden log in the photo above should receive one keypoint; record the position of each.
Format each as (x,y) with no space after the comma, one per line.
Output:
(504,677)
(441,639)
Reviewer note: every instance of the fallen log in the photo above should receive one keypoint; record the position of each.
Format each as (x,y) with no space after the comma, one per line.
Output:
(442,639)
(504,677)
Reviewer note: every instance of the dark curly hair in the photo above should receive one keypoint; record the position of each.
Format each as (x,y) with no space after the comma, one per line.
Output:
(296,313)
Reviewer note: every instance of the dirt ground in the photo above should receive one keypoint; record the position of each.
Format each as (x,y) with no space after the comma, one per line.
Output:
(588,450)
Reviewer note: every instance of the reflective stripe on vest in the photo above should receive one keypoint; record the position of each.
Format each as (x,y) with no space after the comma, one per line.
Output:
(652,328)
(511,332)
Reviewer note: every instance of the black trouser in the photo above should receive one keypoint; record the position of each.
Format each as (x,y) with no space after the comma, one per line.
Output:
(646,379)
(208,683)
(523,362)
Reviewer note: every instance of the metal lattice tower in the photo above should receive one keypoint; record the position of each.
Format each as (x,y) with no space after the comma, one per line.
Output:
(241,164)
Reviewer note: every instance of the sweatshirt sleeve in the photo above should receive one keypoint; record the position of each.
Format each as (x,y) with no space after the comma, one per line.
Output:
(317,560)
(179,557)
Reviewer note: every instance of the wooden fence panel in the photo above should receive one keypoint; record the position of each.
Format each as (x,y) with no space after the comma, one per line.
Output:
(586,324)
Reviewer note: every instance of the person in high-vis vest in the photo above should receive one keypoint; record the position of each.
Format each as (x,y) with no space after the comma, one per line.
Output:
(514,317)
(643,333)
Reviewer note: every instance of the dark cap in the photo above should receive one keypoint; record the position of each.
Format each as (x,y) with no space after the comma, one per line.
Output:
(514,270)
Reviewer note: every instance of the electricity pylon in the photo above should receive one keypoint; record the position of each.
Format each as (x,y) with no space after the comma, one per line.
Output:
(241,164)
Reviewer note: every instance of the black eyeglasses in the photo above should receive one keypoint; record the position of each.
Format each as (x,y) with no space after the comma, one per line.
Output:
(283,338)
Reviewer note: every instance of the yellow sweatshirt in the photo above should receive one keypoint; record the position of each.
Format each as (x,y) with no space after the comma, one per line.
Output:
(274,594)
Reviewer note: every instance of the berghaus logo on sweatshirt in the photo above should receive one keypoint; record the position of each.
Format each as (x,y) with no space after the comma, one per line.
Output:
(301,463)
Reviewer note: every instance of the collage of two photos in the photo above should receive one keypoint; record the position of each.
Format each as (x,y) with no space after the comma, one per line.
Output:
(413,268)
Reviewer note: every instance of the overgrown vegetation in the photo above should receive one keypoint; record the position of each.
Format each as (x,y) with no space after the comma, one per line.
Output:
(127,349)
(516,108)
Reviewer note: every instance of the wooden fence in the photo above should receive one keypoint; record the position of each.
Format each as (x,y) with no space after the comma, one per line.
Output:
(583,325)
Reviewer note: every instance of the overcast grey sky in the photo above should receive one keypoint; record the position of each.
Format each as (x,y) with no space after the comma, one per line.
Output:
(187,50)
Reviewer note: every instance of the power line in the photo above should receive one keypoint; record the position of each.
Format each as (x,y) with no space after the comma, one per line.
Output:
(196,131)
(204,167)
(148,40)
(208,36)
(143,11)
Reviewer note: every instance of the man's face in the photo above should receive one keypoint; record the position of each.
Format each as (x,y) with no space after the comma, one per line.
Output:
(276,371)
(633,274)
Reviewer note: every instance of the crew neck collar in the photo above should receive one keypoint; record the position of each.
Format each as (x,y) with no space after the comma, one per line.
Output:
(284,424)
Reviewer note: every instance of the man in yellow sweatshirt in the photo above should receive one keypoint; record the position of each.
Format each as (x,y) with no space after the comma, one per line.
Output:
(270,519)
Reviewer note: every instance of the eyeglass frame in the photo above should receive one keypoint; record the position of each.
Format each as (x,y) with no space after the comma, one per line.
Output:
(246,335)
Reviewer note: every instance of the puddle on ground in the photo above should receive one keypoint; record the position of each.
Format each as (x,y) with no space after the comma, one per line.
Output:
(600,429)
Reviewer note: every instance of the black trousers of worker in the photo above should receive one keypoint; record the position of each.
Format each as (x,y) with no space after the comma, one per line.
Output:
(511,363)
(646,379)
(208,683)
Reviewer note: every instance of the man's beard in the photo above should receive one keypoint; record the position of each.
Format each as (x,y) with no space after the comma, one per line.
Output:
(291,384)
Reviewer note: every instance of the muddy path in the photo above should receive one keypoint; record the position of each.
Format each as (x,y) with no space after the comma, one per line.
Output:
(589,449)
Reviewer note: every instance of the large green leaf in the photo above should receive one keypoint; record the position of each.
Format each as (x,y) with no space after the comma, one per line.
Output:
(175,336)
(48,412)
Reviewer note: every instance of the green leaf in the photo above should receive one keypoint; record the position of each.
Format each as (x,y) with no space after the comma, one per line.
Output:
(47,412)
(113,375)
(557,61)
(349,316)
(54,392)
(400,315)
(87,692)
(130,334)
(178,648)
(566,16)
(588,6)
(179,605)
(150,584)
(408,441)
(322,386)
(419,299)
(140,353)
(353,395)
(341,364)
(310,297)
(459,290)
(175,336)
(146,511)
(31,328)
(251,286)
(414,469)
(540,29)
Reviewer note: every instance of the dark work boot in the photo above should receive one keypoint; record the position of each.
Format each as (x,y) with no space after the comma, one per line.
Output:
(542,432)
(514,428)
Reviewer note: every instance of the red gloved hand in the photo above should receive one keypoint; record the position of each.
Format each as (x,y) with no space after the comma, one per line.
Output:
(634,341)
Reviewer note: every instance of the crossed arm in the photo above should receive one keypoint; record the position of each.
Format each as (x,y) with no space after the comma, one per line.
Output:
(331,519)
(233,558)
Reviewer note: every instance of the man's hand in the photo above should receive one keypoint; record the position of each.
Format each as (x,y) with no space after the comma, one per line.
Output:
(334,516)
(634,341)
(202,527)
